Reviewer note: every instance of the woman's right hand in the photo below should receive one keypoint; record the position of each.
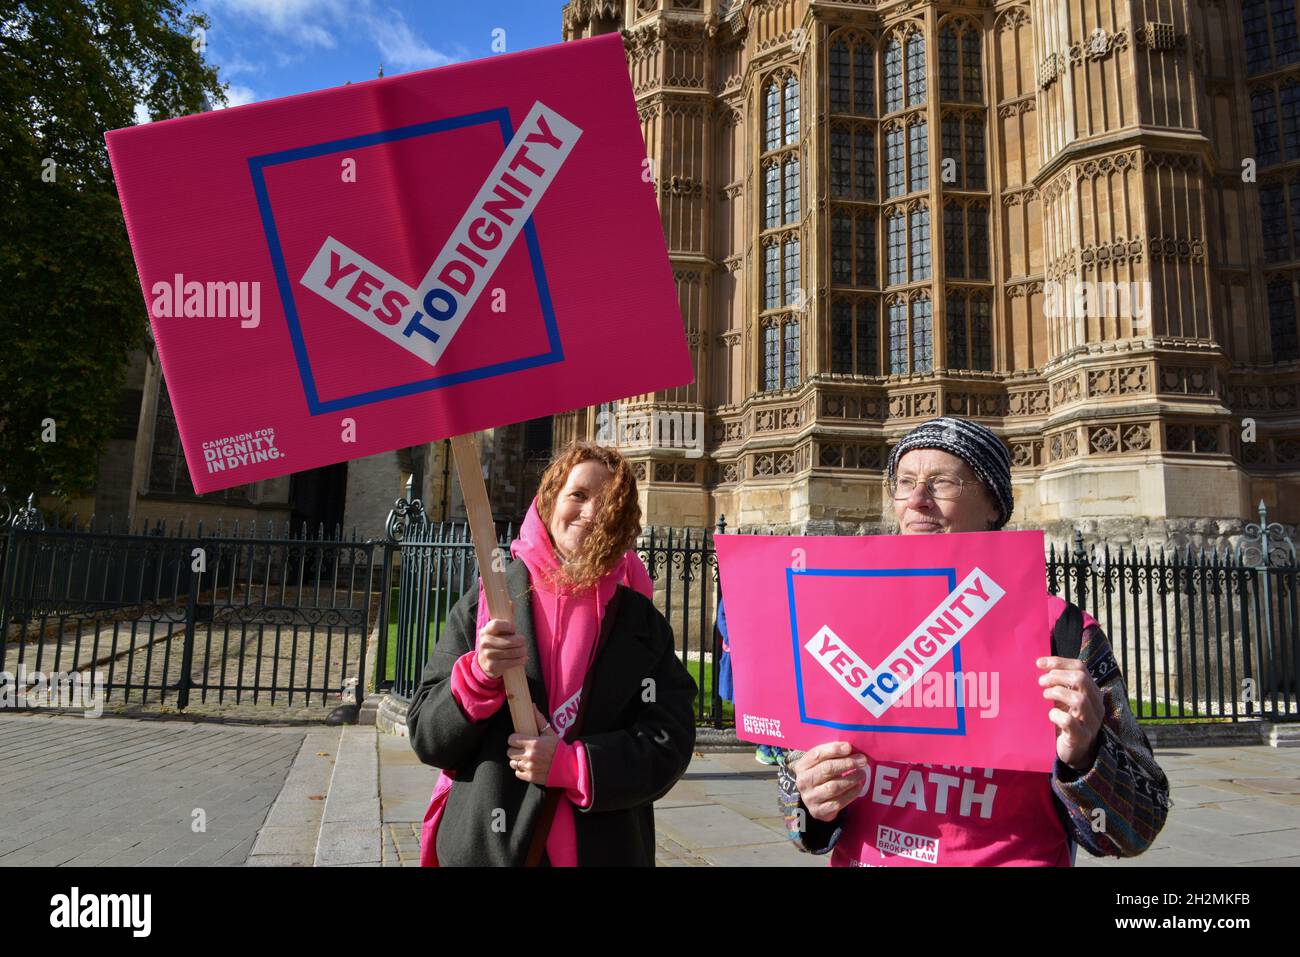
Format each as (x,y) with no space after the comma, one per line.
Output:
(499,648)
(829,778)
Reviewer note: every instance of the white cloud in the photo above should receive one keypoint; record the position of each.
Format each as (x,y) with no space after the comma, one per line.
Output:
(305,22)
(399,45)
(237,95)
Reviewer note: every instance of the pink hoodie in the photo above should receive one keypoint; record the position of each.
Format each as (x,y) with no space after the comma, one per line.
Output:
(566,625)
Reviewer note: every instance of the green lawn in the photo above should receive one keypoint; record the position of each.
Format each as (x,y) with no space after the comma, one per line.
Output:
(693,666)
(436,627)
(1167,713)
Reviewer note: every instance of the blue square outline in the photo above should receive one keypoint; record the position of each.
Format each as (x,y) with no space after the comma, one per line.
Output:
(960,704)
(317,406)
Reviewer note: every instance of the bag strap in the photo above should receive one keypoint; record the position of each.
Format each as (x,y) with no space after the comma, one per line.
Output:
(1067,633)
(542,829)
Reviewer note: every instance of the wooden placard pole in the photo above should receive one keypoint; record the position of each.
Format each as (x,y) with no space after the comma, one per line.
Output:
(469,473)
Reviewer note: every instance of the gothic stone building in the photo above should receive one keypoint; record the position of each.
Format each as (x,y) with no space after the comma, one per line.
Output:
(879,211)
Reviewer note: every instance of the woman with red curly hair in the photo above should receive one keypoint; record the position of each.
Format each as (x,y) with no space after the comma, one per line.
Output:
(613,703)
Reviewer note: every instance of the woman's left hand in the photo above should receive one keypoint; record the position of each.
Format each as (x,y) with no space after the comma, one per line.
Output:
(530,757)
(1078,710)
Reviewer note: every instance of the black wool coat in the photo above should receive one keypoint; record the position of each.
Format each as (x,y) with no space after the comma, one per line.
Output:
(638,730)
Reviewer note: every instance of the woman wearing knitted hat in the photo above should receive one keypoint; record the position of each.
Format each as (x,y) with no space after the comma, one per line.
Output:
(1105,792)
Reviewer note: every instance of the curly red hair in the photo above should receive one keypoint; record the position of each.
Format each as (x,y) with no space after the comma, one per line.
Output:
(618,512)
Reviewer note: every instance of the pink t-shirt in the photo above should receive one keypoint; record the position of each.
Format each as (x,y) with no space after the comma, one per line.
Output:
(911,815)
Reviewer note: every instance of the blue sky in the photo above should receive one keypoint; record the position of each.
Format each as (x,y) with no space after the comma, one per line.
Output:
(269,48)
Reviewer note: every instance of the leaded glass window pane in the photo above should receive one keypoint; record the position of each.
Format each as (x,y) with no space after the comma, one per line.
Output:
(1255,20)
(950,142)
(956,338)
(868,336)
(915,70)
(792,191)
(792,273)
(841,241)
(893,76)
(771,357)
(972,81)
(841,336)
(920,179)
(864,250)
(977,225)
(841,162)
(1289,120)
(864,171)
(898,337)
(920,244)
(864,86)
(981,325)
(975,178)
(771,276)
(949,80)
(897,249)
(1264,118)
(791,110)
(1272,210)
(772,117)
(1281,320)
(839,59)
(894,169)
(922,336)
(771,196)
(791,355)
(1286,48)
(954,240)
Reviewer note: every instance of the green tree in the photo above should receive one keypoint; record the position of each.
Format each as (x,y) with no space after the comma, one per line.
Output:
(71,307)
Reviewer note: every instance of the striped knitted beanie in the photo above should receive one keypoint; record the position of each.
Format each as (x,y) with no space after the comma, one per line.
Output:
(976,445)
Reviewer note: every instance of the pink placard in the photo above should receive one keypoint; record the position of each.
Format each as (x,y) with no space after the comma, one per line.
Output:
(917,648)
(342,273)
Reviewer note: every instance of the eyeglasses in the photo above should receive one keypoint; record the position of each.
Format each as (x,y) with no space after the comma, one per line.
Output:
(939,487)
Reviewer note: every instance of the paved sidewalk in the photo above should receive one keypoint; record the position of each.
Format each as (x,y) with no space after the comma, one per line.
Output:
(124,792)
(1231,806)
(113,792)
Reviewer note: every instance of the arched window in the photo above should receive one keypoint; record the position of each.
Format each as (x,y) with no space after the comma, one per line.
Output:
(960,78)
(1263,114)
(771,196)
(963,143)
(893,75)
(1282,319)
(915,70)
(791,110)
(972,76)
(965,241)
(852,85)
(772,117)
(855,333)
